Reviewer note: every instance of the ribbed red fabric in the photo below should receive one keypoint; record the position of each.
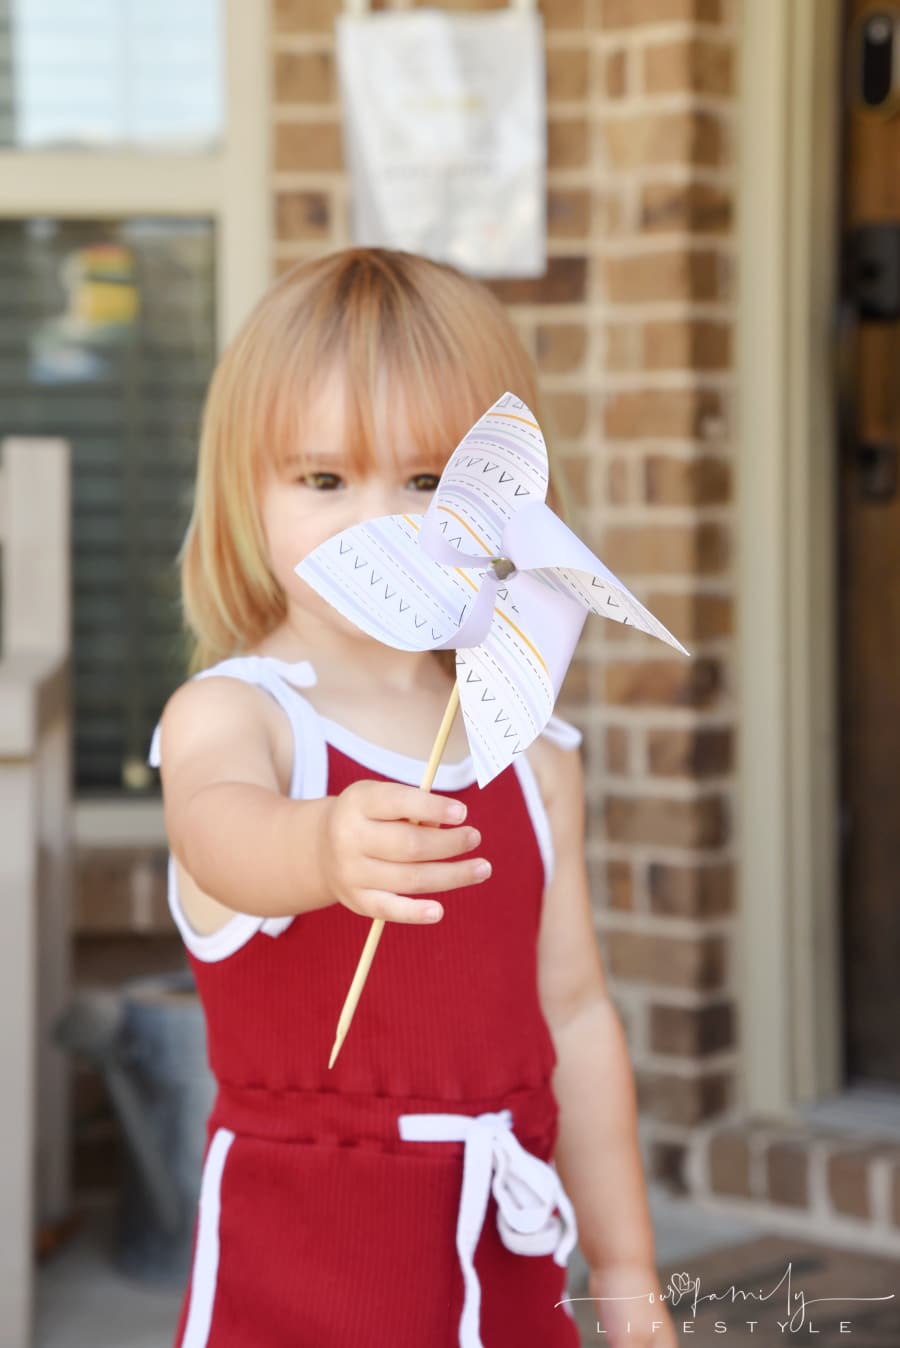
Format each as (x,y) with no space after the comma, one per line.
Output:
(333,1232)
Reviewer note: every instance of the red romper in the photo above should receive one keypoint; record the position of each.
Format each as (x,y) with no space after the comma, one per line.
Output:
(406,1198)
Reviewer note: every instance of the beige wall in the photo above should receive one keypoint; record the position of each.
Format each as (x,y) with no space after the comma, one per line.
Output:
(632,328)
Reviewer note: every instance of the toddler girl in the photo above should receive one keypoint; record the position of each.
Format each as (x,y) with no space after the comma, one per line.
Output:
(413,1195)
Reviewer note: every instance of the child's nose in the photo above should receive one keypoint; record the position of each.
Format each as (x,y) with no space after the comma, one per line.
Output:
(381,498)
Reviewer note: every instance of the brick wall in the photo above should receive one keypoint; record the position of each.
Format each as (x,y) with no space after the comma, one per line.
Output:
(632,330)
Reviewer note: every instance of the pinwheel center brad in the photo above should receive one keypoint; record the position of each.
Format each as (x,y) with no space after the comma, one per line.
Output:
(503,567)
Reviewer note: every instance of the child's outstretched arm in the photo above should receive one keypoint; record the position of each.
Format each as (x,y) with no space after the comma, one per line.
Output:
(597,1153)
(258,851)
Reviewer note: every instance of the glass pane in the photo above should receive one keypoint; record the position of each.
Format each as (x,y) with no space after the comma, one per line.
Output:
(109,74)
(107,337)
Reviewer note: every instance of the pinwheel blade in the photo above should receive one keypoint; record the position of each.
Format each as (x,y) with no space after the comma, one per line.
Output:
(539,540)
(377,577)
(499,466)
(606,596)
(509,682)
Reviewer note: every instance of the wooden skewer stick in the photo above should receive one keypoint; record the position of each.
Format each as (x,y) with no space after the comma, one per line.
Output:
(374,936)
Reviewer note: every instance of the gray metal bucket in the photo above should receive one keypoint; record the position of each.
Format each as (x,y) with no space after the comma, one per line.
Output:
(149,1040)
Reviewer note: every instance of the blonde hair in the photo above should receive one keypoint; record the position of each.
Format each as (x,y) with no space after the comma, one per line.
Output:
(435,333)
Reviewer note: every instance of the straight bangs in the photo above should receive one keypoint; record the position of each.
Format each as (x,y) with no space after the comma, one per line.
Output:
(398,331)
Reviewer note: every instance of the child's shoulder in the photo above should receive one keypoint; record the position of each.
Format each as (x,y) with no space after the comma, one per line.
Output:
(215,715)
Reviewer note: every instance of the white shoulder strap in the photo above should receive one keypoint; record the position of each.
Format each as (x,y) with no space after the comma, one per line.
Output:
(310,771)
(563,733)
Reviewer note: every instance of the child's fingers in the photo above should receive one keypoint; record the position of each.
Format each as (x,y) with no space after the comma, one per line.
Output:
(393,800)
(396,908)
(387,840)
(426,877)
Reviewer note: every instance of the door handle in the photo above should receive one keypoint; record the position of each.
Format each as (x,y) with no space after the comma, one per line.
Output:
(877,464)
(876,461)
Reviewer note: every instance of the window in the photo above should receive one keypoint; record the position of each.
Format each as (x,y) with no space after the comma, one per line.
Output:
(101,74)
(130,252)
(107,337)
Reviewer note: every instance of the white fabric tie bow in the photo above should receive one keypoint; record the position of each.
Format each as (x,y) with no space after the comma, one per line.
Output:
(527,1191)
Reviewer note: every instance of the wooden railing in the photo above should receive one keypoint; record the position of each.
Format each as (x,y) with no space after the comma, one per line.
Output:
(35,859)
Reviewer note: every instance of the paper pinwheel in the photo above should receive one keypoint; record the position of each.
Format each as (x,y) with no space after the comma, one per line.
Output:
(488,569)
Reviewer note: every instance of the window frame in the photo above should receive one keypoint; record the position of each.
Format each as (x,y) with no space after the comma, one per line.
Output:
(230,185)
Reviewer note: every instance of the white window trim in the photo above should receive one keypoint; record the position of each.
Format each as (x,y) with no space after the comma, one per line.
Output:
(788,936)
(230,185)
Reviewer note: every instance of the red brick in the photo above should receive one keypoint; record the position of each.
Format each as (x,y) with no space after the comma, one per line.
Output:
(662,683)
(563,282)
(694,617)
(562,14)
(677,274)
(304,77)
(308,146)
(617,749)
(705,480)
(567,73)
(691,891)
(682,1100)
(614,78)
(568,213)
(848,1180)
(561,347)
(691,1031)
(690,65)
(660,413)
(689,208)
(668,1164)
(305,16)
(302,215)
(686,344)
(113,883)
(689,753)
(668,549)
(620,885)
(567,142)
(698,963)
(787,1173)
(658,820)
(692,136)
(635,13)
(729,1163)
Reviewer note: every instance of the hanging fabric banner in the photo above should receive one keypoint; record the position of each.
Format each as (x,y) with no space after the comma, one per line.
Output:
(444,129)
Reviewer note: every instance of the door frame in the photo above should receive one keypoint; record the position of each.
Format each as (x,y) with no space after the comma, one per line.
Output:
(231,184)
(788,813)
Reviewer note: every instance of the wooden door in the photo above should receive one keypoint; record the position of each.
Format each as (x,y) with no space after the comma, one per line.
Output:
(869,541)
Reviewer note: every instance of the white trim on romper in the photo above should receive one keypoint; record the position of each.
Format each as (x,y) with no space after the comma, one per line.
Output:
(205,1268)
(312,732)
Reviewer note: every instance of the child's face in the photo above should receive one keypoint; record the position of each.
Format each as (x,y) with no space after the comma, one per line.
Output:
(301,507)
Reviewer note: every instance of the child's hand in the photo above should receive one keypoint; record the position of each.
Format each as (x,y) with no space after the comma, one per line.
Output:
(629,1308)
(371,855)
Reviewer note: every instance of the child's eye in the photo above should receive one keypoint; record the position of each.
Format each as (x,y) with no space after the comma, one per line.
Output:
(425,481)
(314,480)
